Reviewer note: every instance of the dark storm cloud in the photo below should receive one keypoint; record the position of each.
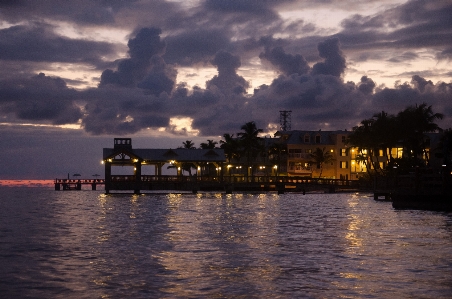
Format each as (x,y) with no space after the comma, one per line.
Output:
(366,86)
(196,46)
(413,25)
(227,78)
(334,63)
(39,98)
(256,7)
(288,64)
(117,110)
(439,95)
(39,43)
(160,79)
(141,91)
(81,11)
(131,71)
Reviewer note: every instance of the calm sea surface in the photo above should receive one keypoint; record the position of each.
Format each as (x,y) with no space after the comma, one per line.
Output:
(85,244)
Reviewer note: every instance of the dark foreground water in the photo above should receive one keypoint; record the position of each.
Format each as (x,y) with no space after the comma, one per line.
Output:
(84,244)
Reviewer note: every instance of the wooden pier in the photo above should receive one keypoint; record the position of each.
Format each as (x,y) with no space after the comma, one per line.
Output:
(226,184)
(213,173)
(67,184)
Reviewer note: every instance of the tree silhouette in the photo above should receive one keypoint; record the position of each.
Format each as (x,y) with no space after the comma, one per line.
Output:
(320,157)
(249,140)
(209,145)
(188,144)
(231,147)
(384,132)
(414,122)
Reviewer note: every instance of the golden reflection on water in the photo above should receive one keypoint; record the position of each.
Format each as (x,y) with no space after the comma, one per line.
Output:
(104,234)
(207,240)
(353,232)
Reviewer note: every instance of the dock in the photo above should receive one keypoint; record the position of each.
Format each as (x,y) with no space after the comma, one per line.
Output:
(68,184)
(213,172)
(227,184)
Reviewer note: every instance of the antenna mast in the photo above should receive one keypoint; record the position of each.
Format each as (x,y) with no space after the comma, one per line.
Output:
(285,120)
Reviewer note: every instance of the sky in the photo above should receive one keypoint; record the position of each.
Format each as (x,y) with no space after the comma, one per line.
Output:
(76,74)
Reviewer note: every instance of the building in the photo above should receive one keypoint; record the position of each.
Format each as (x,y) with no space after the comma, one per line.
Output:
(348,163)
(302,144)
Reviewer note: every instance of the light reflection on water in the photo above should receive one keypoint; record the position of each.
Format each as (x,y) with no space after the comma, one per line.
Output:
(85,244)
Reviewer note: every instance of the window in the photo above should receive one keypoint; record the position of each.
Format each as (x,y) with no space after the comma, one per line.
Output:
(308,151)
(344,164)
(317,139)
(343,139)
(307,139)
(380,153)
(294,151)
(343,152)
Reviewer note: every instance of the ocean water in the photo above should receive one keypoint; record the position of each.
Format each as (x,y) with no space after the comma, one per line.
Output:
(85,244)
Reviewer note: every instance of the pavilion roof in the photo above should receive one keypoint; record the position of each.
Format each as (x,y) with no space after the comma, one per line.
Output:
(165,155)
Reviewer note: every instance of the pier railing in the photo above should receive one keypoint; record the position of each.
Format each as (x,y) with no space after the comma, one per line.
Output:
(236,179)
(244,183)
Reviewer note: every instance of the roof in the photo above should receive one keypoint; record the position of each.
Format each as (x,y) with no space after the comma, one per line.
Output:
(297,137)
(165,155)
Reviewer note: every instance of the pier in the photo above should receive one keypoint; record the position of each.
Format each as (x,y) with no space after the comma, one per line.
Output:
(67,184)
(230,184)
(213,173)
(226,184)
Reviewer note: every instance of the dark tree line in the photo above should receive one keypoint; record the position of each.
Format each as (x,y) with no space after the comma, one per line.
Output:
(384,132)
(246,145)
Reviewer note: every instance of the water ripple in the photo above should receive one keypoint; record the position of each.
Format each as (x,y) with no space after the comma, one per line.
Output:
(91,245)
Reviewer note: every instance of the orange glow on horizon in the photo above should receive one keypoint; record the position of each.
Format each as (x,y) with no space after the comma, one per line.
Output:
(26,183)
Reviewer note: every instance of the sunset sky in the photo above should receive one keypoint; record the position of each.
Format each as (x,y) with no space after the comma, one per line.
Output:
(76,74)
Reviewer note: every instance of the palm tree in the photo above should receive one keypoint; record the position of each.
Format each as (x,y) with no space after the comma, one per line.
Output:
(230,146)
(188,144)
(209,145)
(320,157)
(186,166)
(363,139)
(249,140)
(385,132)
(276,153)
(414,122)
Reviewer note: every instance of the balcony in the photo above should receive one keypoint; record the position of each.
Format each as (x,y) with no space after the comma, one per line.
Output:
(300,170)
(304,156)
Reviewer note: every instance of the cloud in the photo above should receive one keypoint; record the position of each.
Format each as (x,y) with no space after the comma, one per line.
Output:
(132,70)
(334,63)
(196,46)
(142,91)
(412,26)
(227,78)
(288,64)
(40,98)
(38,43)
(366,86)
